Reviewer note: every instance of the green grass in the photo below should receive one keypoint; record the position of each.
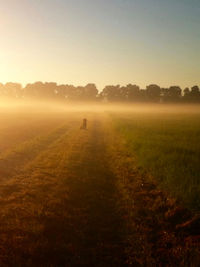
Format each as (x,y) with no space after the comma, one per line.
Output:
(167,146)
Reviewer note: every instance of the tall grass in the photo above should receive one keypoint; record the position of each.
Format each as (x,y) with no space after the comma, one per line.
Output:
(167,146)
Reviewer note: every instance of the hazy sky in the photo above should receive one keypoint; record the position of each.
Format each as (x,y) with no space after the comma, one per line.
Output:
(100,41)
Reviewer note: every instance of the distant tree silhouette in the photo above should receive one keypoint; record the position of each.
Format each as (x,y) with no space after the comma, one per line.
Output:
(90,91)
(153,92)
(71,92)
(41,90)
(186,92)
(13,90)
(2,89)
(50,89)
(121,94)
(174,93)
(61,92)
(133,92)
(33,90)
(110,93)
(192,95)
(195,91)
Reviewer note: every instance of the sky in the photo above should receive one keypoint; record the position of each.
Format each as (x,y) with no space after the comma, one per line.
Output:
(100,41)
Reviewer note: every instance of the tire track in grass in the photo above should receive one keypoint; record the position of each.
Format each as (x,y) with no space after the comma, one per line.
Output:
(67,214)
(24,205)
(16,129)
(82,201)
(93,235)
(13,162)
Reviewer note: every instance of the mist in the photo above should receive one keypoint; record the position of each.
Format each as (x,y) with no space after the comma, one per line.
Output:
(51,106)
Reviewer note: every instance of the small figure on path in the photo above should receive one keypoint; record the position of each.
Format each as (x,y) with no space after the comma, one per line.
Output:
(84,124)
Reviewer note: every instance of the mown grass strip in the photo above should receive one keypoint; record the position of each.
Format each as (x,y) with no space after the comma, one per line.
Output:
(13,161)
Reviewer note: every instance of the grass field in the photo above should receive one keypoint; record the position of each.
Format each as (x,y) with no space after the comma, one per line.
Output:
(167,145)
(71,197)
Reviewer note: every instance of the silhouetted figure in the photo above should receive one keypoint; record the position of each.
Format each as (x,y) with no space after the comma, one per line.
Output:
(84,124)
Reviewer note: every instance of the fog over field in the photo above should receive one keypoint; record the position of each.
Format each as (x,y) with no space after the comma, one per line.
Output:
(10,105)
(100,133)
(67,191)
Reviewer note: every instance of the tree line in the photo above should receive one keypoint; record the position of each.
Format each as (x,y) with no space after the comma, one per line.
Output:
(110,93)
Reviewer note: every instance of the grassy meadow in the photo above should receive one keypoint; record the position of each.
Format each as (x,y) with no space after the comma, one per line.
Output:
(167,145)
(73,197)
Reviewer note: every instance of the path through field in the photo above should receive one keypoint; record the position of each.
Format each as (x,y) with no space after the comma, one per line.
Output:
(68,200)
(61,207)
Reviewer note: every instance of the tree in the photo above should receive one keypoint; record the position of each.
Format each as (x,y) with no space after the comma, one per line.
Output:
(49,90)
(60,92)
(174,93)
(13,89)
(111,93)
(153,92)
(195,91)
(194,95)
(90,91)
(41,90)
(80,93)
(32,90)
(186,92)
(133,92)
(2,89)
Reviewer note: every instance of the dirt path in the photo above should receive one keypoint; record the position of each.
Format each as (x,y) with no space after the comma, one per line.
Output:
(62,209)
(96,226)
(79,200)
